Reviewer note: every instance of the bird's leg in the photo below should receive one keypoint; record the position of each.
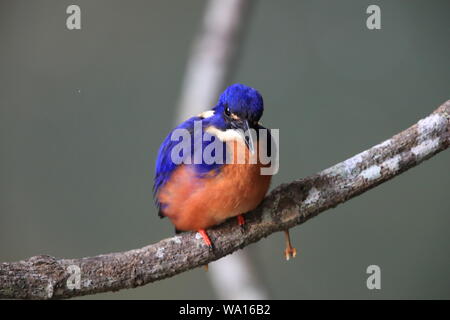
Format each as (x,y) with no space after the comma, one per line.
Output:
(205,237)
(207,241)
(241,220)
(289,251)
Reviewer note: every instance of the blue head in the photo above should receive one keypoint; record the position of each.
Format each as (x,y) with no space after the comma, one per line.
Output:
(239,107)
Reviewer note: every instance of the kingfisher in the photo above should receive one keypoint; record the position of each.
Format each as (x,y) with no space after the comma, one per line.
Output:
(197,193)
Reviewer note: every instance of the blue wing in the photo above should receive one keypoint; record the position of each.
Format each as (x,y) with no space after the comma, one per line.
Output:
(164,164)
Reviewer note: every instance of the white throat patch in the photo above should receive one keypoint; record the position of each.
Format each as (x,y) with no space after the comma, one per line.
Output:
(206,114)
(227,135)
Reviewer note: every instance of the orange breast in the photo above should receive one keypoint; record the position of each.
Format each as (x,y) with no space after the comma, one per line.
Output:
(194,203)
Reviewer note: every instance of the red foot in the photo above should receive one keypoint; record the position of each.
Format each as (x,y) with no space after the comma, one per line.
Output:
(290,251)
(205,237)
(241,220)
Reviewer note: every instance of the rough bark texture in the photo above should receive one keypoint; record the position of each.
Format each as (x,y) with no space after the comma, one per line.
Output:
(45,277)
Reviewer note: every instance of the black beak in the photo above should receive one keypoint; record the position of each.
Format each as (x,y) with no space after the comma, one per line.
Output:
(248,137)
(246,134)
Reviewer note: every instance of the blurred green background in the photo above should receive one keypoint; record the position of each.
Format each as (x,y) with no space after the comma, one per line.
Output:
(83,113)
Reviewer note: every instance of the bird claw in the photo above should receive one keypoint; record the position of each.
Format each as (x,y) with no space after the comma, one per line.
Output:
(241,221)
(206,239)
(290,251)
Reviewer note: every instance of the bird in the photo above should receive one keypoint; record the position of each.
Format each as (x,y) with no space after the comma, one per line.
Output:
(197,195)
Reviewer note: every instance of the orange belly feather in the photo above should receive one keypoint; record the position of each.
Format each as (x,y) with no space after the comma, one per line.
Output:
(193,203)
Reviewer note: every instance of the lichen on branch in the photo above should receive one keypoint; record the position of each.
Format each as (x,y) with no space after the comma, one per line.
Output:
(288,205)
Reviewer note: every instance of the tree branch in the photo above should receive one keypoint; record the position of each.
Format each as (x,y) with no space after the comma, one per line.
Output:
(44,277)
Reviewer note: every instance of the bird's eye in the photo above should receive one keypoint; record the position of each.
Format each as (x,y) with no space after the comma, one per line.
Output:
(227,111)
